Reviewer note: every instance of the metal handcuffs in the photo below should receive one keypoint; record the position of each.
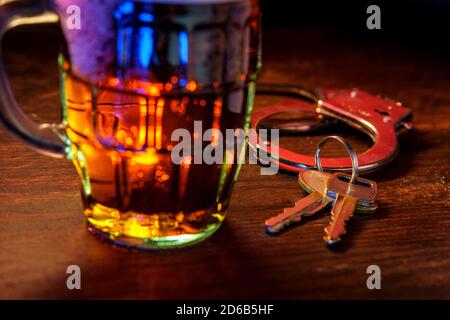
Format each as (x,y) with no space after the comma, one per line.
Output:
(380,118)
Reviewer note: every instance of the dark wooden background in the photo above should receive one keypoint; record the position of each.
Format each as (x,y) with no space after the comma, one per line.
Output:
(42,229)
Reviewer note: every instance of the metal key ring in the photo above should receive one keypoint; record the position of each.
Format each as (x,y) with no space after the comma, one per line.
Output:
(349,149)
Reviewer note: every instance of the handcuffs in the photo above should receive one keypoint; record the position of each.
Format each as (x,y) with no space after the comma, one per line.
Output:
(380,118)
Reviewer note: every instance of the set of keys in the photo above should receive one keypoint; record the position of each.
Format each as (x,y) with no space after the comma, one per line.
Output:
(344,193)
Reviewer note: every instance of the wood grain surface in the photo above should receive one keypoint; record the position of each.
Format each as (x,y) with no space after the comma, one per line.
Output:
(42,229)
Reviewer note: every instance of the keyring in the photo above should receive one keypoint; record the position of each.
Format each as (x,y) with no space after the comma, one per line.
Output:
(349,149)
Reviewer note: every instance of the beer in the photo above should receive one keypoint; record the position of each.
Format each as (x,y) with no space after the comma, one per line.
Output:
(172,65)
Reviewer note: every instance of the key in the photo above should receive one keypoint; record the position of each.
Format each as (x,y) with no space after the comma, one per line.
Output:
(314,182)
(311,181)
(347,198)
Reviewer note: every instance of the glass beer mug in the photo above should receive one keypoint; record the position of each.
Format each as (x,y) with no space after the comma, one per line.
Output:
(131,73)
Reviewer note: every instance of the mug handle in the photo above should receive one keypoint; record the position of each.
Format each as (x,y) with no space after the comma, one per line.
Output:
(46,138)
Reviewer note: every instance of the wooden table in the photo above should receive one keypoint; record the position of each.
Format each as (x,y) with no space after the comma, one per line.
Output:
(42,229)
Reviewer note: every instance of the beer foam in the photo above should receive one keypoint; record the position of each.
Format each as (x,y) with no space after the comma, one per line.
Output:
(92,47)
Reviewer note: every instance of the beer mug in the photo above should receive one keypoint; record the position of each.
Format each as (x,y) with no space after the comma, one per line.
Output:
(131,74)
